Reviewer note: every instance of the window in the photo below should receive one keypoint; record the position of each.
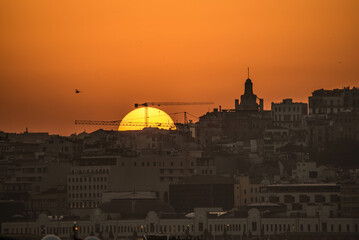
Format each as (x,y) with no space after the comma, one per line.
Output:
(288,199)
(334,198)
(254,226)
(303,198)
(324,227)
(297,206)
(273,199)
(319,198)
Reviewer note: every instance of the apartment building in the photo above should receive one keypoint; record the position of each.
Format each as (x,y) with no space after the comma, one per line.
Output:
(92,176)
(326,102)
(311,200)
(246,192)
(289,114)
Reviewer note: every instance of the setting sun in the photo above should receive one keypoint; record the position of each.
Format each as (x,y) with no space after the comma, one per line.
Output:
(156,118)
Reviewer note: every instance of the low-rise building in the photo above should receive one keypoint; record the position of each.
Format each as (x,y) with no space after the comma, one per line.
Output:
(202,191)
(53,201)
(107,223)
(311,200)
(309,172)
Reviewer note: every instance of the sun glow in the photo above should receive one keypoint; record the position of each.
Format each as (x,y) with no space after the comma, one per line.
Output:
(156,118)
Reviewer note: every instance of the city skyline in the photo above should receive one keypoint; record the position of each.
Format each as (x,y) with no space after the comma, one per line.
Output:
(118,54)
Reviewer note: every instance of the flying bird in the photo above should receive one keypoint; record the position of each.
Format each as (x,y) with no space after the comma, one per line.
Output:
(77,91)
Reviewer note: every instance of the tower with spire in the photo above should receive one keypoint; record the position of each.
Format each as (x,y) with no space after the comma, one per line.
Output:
(248,99)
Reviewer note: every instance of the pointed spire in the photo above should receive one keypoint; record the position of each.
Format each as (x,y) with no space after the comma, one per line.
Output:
(248,72)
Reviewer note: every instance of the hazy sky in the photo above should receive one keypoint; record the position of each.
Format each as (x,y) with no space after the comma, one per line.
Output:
(126,51)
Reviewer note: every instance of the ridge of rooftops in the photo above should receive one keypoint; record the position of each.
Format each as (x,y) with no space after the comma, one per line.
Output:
(303,185)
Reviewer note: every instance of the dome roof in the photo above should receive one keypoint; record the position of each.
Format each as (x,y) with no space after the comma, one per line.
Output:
(136,207)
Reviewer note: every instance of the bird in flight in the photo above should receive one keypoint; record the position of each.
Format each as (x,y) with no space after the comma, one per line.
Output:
(77,91)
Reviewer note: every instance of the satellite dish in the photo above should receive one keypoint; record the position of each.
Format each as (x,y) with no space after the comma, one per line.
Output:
(51,237)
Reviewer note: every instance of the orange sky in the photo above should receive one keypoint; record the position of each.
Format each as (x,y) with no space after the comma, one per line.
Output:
(126,51)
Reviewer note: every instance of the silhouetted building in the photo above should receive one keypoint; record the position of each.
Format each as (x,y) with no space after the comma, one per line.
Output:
(53,201)
(202,191)
(133,206)
(346,125)
(325,102)
(246,122)
(249,99)
(90,177)
(289,114)
(274,139)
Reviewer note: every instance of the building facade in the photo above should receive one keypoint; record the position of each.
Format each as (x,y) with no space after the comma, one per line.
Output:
(289,114)
(212,222)
(310,200)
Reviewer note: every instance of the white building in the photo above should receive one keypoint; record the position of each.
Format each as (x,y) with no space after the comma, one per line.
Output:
(215,222)
(309,172)
(311,200)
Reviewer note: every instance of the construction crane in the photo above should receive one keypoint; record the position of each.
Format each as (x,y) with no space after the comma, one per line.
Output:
(145,124)
(146,104)
(118,122)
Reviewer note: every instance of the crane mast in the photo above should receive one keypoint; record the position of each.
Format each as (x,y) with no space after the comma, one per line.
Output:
(146,104)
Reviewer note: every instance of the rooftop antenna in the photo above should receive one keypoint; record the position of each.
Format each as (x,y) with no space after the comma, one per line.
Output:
(248,72)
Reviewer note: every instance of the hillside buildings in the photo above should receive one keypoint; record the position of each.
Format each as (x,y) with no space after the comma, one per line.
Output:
(237,172)
(326,102)
(245,122)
